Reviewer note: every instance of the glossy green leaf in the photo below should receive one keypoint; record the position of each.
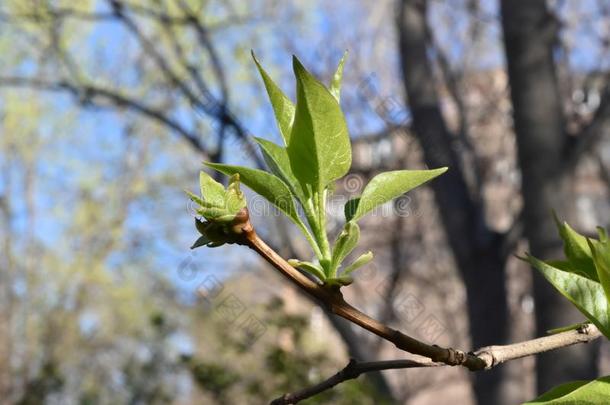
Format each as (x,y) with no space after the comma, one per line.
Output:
(587,295)
(594,392)
(385,187)
(211,190)
(319,147)
(335,84)
(276,158)
(346,242)
(359,262)
(283,108)
(577,251)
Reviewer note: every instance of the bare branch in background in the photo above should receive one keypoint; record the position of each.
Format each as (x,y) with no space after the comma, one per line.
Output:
(353,370)
(87,95)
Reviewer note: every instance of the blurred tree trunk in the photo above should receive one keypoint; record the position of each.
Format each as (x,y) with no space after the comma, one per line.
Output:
(530,32)
(477,249)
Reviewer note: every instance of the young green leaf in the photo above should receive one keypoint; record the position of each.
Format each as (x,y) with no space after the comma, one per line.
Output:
(314,269)
(319,147)
(283,108)
(577,251)
(265,184)
(345,243)
(338,281)
(276,157)
(195,198)
(202,241)
(385,187)
(359,262)
(587,295)
(335,84)
(234,198)
(211,190)
(576,392)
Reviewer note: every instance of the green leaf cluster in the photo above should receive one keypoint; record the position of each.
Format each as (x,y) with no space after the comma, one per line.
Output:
(584,277)
(218,207)
(301,172)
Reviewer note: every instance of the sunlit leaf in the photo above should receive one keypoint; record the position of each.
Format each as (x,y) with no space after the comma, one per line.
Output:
(577,251)
(345,243)
(267,185)
(276,158)
(211,190)
(385,187)
(587,295)
(359,262)
(335,84)
(283,108)
(319,147)
(594,392)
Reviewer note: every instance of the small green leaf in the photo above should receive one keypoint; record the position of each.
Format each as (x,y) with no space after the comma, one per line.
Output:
(338,281)
(283,108)
(312,268)
(319,147)
(385,187)
(346,242)
(216,214)
(335,84)
(234,198)
(359,262)
(577,251)
(196,198)
(202,241)
(594,392)
(587,295)
(265,184)
(211,190)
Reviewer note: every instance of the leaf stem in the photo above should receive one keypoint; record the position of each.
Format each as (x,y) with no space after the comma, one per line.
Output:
(324,245)
(311,209)
(310,238)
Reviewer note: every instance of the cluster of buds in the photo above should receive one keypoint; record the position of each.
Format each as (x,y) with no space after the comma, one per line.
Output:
(223,213)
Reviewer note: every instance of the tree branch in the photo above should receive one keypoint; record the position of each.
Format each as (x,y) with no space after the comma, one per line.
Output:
(87,93)
(492,355)
(331,298)
(495,355)
(353,370)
